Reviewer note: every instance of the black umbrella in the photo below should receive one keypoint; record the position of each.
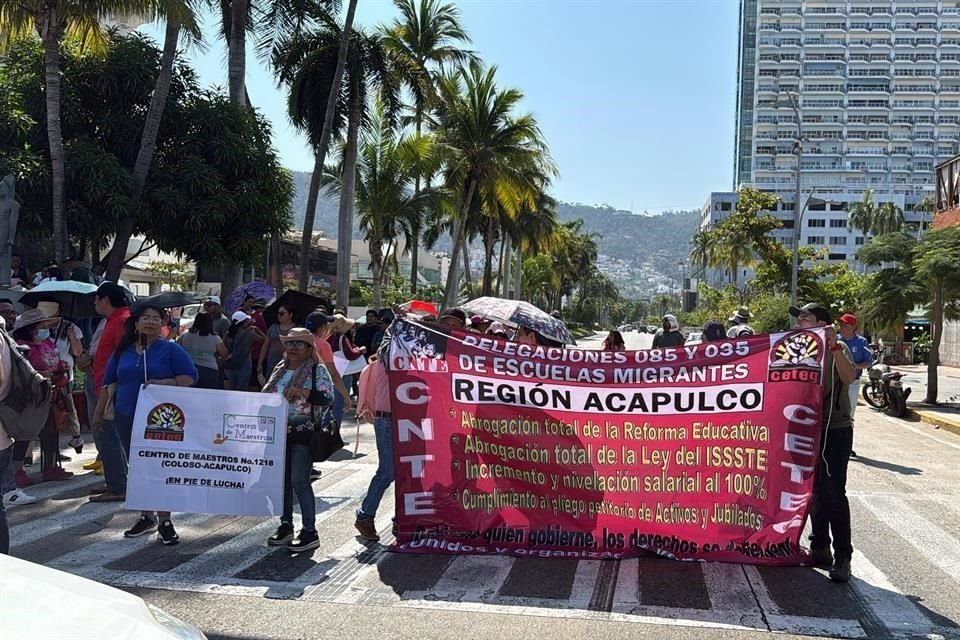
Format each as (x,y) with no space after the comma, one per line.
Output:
(170,299)
(298,303)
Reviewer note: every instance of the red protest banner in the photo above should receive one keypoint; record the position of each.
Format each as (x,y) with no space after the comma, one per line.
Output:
(698,452)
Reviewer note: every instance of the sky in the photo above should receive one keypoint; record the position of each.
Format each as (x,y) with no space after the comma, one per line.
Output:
(635,98)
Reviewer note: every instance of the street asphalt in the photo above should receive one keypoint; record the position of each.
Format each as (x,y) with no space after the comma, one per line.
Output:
(223,579)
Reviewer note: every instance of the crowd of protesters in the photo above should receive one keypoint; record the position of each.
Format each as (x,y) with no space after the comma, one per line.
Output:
(326,361)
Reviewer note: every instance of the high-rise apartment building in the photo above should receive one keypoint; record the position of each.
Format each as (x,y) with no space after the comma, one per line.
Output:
(876,85)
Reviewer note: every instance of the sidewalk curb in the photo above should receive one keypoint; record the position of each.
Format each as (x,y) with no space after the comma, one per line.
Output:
(932,417)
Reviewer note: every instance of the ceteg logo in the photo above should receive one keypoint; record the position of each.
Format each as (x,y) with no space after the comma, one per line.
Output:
(165,421)
(797,357)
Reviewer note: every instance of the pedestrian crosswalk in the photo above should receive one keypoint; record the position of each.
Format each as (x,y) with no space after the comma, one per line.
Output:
(228,555)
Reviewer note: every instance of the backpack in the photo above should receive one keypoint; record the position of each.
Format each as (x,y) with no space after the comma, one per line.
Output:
(238,356)
(24,412)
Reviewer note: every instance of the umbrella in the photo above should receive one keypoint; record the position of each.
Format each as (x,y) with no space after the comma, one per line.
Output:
(419,307)
(75,298)
(298,303)
(256,289)
(517,313)
(170,299)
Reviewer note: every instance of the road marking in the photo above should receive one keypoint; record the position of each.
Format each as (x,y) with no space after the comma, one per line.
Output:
(626,593)
(897,612)
(904,425)
(935,544)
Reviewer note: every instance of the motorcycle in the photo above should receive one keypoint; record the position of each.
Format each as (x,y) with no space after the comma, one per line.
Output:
(884,390)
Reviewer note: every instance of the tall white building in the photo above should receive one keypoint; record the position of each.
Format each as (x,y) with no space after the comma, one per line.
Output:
(877,88)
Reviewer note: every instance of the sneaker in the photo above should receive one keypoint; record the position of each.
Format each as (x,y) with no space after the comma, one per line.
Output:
(367,529)
(144,525)
(853,454)
(315,473)
(304,542)
(97,490)
(840,571)
(17,497)
(167,534)
(93,465)
(98,471)
(63,458)
(77,443)
(22,479)
(56,474)
(821,557)
(283,535)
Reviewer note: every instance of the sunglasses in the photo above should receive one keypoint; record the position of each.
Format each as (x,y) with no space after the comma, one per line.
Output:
(297,344)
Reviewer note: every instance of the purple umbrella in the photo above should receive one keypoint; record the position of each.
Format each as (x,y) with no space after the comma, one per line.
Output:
(255,289)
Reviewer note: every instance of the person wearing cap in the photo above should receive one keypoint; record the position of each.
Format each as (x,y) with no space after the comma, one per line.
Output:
(221,323)
(32,330)
(319,324)
(830,509)
(498,330)
(669,334)
(339,341)
(453,319)
(862,357)
(308,388)
(479,324)
(140,358)
(713,331)
(80,272)
(238,366)
(738,324)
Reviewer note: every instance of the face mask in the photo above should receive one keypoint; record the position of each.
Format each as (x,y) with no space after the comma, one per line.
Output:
(43,334)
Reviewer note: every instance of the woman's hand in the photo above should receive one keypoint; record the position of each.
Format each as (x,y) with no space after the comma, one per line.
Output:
(262,379)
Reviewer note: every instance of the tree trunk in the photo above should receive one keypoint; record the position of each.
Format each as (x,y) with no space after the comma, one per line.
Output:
(50,33)
(148,145)
(237,52)
(933,360)
(415,248)
(451,290)
(518,282)
(376,265)
(488,243)
(467,278)
(503,273)
(321,152)
(347,191)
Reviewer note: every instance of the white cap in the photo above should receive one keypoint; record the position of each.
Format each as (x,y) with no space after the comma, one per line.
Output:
(213,299)
(239,316)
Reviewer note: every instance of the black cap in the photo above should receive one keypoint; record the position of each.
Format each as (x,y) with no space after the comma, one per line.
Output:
(819,311)
(386,315)
(316,320)
(713,331)
(116,294)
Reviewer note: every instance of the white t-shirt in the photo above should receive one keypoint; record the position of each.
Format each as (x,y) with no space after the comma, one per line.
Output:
(63,343)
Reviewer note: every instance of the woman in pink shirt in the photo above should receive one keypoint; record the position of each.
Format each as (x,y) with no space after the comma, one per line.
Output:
(374,404)
(32,330)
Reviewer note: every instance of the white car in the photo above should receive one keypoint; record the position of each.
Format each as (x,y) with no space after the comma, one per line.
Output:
(33,600)
(187,317)
(695,337)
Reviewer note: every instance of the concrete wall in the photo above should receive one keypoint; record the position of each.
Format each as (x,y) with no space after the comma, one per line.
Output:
(950,346)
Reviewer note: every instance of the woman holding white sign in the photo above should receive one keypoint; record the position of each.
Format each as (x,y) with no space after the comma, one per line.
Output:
(308,388)
(142,358)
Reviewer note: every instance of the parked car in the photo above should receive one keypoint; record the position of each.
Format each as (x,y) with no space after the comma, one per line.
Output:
(187,315)
(33,597)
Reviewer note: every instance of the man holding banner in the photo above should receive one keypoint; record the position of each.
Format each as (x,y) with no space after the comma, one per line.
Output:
(830,510)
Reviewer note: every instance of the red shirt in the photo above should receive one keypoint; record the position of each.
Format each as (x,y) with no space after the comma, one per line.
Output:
(112,332)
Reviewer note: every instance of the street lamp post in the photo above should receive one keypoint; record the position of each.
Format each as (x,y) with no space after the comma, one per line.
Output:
(797,206)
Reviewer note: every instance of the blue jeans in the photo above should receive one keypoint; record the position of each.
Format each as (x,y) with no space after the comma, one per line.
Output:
(239,379)
(115,454)
(297,483)
(383,428)
(6,468)
(338,401)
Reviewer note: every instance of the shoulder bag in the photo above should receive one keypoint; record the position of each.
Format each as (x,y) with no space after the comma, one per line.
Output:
(325,439)
(25,409)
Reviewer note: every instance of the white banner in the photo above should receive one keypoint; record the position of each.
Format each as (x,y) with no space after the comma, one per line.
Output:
(204,451)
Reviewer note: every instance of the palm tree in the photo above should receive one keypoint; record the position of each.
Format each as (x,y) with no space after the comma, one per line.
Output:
(387,202)
(862,213)
(925,207)
(532,232)
(887,219)
(420,43)
(180,19)
(701,253)
(54,20)
(733,247)
(491,152)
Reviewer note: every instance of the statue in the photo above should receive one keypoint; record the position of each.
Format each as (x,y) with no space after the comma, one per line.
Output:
(9,216)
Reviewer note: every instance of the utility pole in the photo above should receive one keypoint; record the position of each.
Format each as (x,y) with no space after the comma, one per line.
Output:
(797,205)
